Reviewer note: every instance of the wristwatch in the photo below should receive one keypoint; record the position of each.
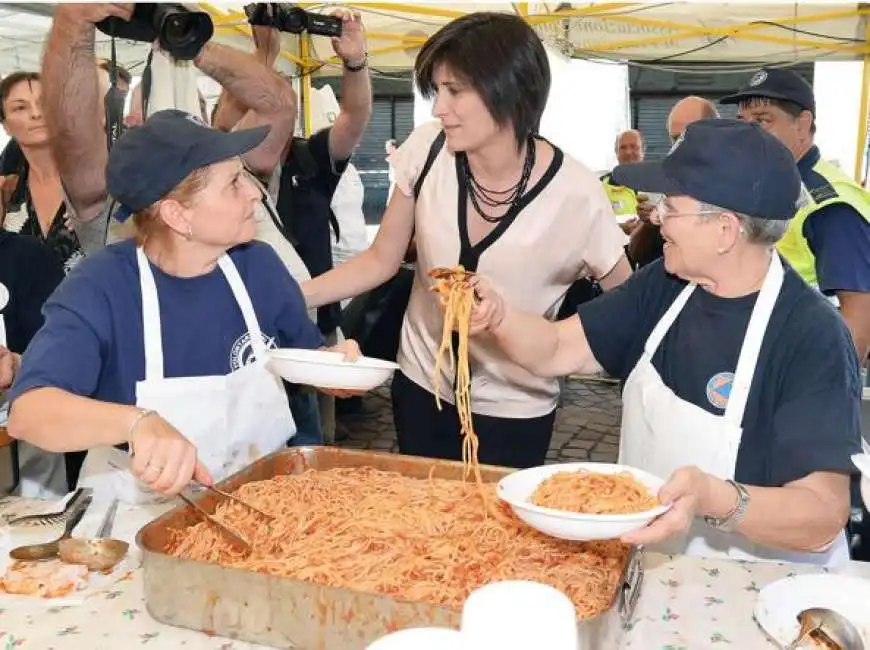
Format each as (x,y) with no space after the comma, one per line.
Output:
(731,521)
(362,65)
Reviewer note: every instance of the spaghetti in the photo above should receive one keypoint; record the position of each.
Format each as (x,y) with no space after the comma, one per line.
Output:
(425,541)
(594,493)
(456,291)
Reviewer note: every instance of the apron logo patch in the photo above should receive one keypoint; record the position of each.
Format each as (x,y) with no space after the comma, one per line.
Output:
(242,352)
(719,389)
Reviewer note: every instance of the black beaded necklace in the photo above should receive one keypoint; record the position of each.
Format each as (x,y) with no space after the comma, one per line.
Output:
(498,198)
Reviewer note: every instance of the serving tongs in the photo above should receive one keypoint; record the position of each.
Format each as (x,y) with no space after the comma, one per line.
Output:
(124,462)
(228,532)
(454,275)
(241,502)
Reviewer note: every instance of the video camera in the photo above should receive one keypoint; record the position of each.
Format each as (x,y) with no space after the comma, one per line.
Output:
(181,33)
(292,19)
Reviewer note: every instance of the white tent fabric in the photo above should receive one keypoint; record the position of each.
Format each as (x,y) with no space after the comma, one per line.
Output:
(666,33)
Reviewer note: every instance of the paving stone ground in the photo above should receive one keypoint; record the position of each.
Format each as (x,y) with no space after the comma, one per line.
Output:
(587,423)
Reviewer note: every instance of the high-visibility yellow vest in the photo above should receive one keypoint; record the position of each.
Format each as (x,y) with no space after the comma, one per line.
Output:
(826,184)
(623,199)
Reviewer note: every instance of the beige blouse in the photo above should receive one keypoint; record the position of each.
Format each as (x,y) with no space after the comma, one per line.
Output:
(568,231)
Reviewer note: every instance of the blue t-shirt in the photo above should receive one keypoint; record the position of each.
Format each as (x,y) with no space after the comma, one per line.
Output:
(838,236)
(803,412)
(92,343)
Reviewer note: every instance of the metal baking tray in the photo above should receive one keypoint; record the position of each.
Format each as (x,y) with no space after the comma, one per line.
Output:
(288,613)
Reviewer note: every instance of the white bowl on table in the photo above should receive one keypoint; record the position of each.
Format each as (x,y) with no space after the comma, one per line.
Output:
(324,369)
(516,489)
(780,602)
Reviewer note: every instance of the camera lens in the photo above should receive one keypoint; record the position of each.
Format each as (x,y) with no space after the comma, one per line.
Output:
(176,28)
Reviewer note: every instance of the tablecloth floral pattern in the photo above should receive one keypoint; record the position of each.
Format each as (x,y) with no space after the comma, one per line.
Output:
(685,604)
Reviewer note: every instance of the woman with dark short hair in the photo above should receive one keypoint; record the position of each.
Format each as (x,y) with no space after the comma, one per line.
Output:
(480,188)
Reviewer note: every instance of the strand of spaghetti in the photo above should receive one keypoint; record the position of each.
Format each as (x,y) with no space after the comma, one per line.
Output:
(444,349)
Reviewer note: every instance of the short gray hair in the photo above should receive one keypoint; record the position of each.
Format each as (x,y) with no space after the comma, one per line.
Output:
(766,232)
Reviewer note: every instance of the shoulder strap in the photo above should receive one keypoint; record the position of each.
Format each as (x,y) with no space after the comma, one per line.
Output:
(302,158)
(434,150)
(302,161)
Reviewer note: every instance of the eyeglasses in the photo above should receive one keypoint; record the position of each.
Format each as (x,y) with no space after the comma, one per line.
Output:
(660,213)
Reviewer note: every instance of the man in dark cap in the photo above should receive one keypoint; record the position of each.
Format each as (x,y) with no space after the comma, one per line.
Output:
(741,383)
(828,241)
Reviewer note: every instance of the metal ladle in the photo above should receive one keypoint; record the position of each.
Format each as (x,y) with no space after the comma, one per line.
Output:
(50,550)
(828,624)
(100,554)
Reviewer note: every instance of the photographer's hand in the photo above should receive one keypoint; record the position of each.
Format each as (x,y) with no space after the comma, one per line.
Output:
(351,45)
(93,12)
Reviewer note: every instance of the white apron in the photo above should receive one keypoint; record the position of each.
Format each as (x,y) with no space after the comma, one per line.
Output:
(661,432)
(232,419)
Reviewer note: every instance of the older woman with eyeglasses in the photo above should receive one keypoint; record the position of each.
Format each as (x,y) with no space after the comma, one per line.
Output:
(741,383)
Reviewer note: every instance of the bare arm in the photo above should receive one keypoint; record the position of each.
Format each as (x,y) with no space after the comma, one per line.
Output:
(58,421)
(373,266)
(267,43)
(356,90)
(803,515)
(270,99)
(617,275)
(73,106)
(855,308)
(55,420)
(544,348)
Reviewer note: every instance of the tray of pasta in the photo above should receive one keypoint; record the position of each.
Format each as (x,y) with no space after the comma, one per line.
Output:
(363,544)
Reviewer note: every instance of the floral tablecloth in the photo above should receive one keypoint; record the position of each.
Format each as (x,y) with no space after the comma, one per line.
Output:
(693,604)
(685,604)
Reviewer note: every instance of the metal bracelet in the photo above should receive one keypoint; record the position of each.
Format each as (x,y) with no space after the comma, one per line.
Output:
(731,521)
(141,415)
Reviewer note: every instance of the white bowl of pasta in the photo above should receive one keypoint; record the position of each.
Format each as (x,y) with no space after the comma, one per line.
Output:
(329,369)
(583,501)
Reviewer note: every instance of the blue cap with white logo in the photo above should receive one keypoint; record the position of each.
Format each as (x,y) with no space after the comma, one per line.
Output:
(779,84)
(148,161)
(731,164)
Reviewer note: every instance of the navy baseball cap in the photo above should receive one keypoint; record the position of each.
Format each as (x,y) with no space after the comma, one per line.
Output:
(776,83)
(148,161)
(731,164)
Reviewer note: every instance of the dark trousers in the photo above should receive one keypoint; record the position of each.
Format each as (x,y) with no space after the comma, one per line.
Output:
(423,430)
(73,461)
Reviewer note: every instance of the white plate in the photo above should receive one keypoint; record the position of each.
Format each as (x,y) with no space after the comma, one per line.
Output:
(780,602)
(329,369)
(516,489)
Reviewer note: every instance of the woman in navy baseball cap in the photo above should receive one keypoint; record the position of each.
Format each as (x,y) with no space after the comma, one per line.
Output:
(158,344)
(741,383)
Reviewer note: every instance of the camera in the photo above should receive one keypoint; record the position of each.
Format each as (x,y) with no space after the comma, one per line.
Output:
(181,32)
(292,19)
